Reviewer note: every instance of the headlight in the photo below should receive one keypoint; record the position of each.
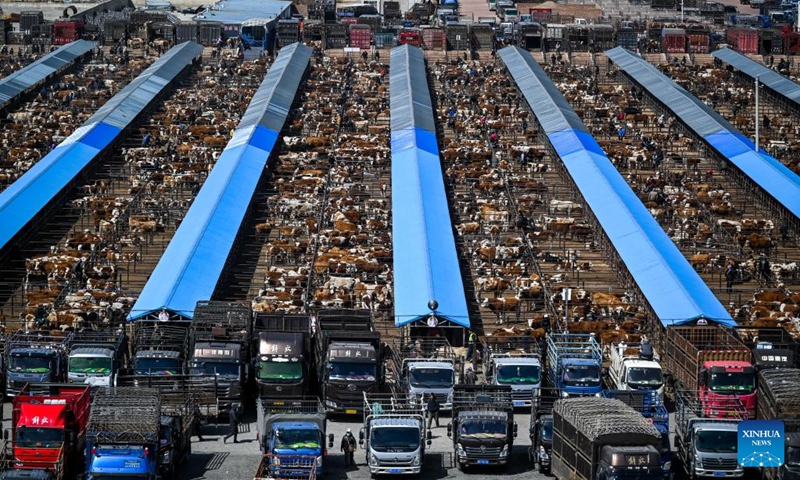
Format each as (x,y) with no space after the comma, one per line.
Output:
(667,466)
(319,461)
(276,460)
(460,451)
(328,403)
(166,457)
(598,394)
(450,397)
(504,451)
(542,452)
(698,461)
(416,460)
(373,460)
(564,394)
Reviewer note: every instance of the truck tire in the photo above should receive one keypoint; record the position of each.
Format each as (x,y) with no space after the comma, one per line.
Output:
(541,468)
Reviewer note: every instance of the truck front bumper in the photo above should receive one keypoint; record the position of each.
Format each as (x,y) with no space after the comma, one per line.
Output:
(394,470)
(482,461)
(702,472)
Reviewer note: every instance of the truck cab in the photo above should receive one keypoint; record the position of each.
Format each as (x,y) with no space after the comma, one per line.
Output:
(426,376)
(174,444)
(283,352)
(707,447)
(160,348)
(95,358)
(514,361)
(393,436)
(541,430)
(791,467)
(635,367)
(35,358)
(122,461)
(574,364)
(482,427)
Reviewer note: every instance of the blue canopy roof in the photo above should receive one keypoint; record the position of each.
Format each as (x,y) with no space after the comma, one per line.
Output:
(772,79)
(765,171)
(673,289)
(20,81)
(425,259)
(194,261)
(26,197)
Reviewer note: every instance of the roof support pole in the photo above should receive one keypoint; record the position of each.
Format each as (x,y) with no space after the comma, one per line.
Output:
(757,125)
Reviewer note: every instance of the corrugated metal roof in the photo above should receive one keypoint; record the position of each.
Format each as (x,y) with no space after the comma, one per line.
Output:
(765,171)
(237,12)
(674,290)
(26,197)
(425,259)
(194,261)
(772,79)
(25,78)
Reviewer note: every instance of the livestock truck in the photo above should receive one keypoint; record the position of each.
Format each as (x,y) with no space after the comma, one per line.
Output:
(96,358)
(428,366)
(292,432)
(160,348)
(651,406)
(123,434)
(175,435)
(712,361)
(221,333)
(772,347)
(779,399)
(634,366)
(707,445)
(574,364)
(602,438)
(34,358)
(482,426)
(514,361)
(48,431)
(541,429)
(393,436)
(348,357)
(284,358)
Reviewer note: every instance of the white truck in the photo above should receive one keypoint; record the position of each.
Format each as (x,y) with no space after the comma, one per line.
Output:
(393,436)
(428,366)
(514,361)
(634,366)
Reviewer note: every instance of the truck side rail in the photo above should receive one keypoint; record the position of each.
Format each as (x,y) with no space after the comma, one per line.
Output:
(299,467)
(344,320)
(779,394)
(201,388)
(57,468)
(7,455)
(90,338)
(516,345)
(282,322)
(542,401)
(482,397)
(180,405)
(149,334)
(222,321)
(26,340)
(376,404)
(688,405)
(125,415)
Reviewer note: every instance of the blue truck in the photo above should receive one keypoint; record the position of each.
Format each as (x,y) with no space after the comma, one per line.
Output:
(291,435)
(651,405)
(122,439)
(574,364)
(35,358)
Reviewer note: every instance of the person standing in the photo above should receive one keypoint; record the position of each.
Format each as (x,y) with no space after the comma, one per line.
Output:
(432,408)
(348,447)
(196,422)
(233,421)
(471,345)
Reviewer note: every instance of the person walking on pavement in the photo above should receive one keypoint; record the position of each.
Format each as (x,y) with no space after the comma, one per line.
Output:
(432,408)
(349,448)
(233,421)
(198,418)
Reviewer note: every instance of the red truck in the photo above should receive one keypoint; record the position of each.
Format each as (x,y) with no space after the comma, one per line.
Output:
(49,430)
(712,361)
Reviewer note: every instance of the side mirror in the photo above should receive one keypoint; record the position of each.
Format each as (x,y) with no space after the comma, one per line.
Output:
(330,440)
(429,442)
(429,436)
(515,429)
(703,377)
(361,436)
(449,430)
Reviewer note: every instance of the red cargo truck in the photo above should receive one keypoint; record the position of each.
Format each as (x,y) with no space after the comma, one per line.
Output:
(49,430)
(673,40)
(411,37)
(743,40)
(712,361)
(67,31)
(360,36)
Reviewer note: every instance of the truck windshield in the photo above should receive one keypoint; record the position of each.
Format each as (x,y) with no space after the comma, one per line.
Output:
(717,442)
(578,375)
(547,431)
(352,371)
(279,370)
(732,382)
(528,374)
(793,456)
(295,439)
(28,364)
(394,439)
(483,429)
(220,368)
(28,437)
(431,377)
(157,366)
(90,365)
(645,377)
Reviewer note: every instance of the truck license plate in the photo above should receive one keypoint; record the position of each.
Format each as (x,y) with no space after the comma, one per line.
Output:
(395,470)
(350,412)
(719,474)
(519,403)
(483,462)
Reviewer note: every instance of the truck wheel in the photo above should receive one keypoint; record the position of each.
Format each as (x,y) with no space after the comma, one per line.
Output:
(541,469)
